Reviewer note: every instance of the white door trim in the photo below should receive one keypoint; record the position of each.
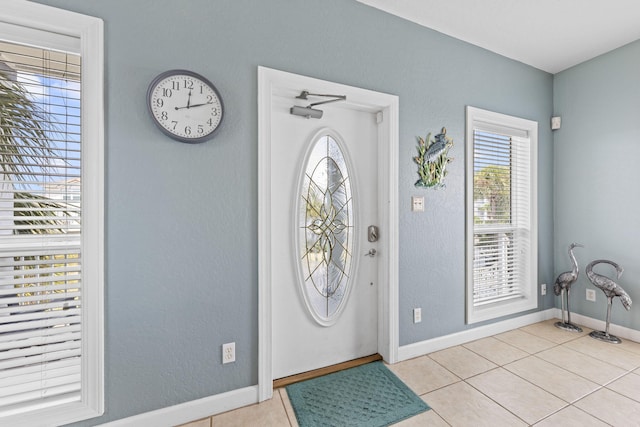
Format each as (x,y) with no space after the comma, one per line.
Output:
(387,107)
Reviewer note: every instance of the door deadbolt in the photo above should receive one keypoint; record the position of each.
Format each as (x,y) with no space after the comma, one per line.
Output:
(372,233)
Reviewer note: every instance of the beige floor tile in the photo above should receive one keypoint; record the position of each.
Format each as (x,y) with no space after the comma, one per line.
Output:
(548,331)
(499,352)
(557,381)
(270,413)
(200,423)
(610,353)
(462,362)
(525,341)
(423,374)
(287,407)
(631,346)
(612,408)
(581,364)
(461,405)
(629,385)
(527,401)
(429,418)
(571,417)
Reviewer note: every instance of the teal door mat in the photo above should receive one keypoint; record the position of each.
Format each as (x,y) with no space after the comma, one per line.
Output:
(368,396)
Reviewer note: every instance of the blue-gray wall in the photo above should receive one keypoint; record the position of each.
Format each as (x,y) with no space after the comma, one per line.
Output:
(181,225)
(597,175)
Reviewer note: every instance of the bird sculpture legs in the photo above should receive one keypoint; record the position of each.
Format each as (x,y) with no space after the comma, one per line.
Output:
(567,326)
(604,335)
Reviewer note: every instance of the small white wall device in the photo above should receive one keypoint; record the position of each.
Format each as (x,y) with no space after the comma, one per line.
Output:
(556,122)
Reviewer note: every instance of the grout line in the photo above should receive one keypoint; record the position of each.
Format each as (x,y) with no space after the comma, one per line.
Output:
(551,414)
(495,363)
(441,417)
(280,391)
(496,402)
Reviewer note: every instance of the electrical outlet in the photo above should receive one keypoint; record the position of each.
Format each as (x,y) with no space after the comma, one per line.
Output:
(543,289)
(417,315)
(228,352)
(591,295)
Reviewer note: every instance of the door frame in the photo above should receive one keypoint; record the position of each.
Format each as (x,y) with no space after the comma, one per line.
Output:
(386,107)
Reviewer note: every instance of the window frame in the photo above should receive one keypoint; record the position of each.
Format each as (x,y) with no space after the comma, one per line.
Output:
(479,119)
(31,23)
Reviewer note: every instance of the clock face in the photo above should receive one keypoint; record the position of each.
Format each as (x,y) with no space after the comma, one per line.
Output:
(185,105)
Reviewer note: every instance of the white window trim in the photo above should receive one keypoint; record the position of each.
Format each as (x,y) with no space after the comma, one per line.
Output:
(89,31)
(489,121)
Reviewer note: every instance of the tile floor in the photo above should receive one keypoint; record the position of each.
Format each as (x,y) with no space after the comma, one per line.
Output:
(536,375)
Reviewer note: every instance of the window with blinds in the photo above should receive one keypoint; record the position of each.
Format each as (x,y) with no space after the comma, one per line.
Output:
(46,291)
(40,222)
(501,215)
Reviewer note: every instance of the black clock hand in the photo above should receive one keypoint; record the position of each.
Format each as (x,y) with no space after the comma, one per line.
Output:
(194,105)
(199,105)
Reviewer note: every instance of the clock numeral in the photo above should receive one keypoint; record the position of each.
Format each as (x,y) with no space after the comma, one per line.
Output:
(209,99)
(210,122)
(164,115)
(215,111)
(201,89)
(174,124)
(167,92)
(187,130)
(188,84)
(175,85)
(160,102)
(200,129)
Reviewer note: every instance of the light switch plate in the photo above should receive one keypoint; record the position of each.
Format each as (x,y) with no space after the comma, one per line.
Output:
(417,315)
(417,204)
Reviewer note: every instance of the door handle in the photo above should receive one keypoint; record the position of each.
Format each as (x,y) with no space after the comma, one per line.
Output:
(371,253)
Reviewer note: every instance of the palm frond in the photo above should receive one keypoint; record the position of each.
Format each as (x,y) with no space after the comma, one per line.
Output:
(25,143)
(26,149)
(30,206)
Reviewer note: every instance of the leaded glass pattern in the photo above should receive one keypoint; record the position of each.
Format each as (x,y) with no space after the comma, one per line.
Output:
(325,221)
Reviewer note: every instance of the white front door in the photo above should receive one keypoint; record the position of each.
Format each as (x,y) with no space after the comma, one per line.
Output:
(365,128)
(323,199)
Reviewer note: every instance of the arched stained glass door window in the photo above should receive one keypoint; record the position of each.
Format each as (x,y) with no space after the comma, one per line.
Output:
(325,228)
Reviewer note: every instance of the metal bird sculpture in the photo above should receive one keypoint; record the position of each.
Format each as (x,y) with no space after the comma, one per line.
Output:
(562,287)
(438,147)
(611,289)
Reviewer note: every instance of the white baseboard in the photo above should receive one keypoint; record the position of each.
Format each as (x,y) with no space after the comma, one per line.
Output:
(191,411)
(429,346)
(599,325)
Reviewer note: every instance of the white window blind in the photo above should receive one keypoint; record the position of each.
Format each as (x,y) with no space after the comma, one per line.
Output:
(40,228)
(501,210)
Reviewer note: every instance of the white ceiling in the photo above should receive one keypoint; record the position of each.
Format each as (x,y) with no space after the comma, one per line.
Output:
(551,35)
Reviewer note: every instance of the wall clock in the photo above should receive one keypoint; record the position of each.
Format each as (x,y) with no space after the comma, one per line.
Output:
(185,106)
